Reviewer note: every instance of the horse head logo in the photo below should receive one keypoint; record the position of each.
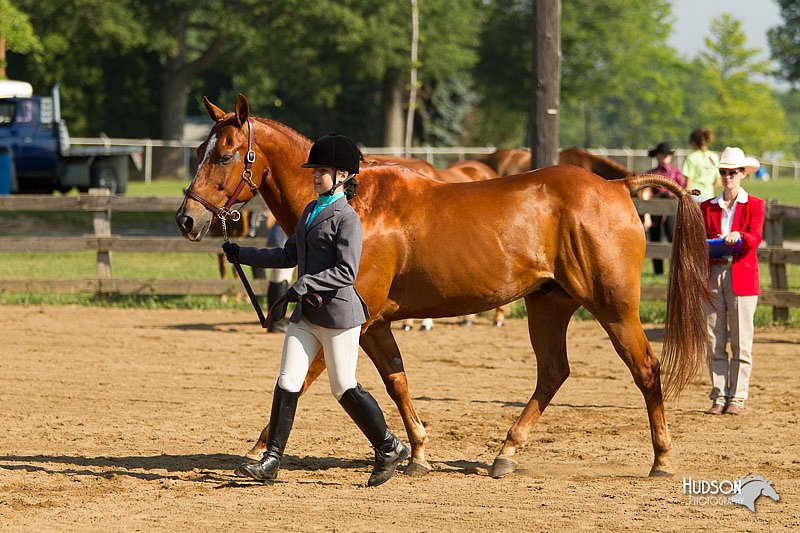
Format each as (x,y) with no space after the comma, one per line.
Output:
(752,487)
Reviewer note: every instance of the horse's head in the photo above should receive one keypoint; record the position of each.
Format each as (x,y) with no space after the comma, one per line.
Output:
(226,174)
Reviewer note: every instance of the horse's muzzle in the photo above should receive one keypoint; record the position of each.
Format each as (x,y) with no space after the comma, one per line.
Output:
(192,229)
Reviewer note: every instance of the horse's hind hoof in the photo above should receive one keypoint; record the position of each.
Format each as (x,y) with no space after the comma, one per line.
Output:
(416,469)
(239,471)
(502,466)
(660,472)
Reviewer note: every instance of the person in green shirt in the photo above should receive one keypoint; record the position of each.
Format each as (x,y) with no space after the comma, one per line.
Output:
(700,167)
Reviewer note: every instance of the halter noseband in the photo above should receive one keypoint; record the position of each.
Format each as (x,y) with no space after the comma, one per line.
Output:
(225,212)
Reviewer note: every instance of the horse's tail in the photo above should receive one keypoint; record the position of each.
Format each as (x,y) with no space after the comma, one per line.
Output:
(685,337)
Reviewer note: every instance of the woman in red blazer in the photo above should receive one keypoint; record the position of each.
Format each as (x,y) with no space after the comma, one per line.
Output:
(734,215)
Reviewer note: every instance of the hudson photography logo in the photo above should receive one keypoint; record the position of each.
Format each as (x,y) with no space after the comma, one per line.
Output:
(744,491)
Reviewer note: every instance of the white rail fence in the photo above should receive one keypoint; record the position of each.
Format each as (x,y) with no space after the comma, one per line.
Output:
(634,159)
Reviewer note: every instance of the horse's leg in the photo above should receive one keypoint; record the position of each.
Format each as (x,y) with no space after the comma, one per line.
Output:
(314,371)
(630,341)
(500,316)
(548,318)
(381,347)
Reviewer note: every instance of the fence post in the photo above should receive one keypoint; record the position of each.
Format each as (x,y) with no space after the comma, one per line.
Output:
(148,162)
(773,232)
(101,220)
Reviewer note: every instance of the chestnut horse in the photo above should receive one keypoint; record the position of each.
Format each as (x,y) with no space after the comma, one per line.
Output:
(507,161)
(458,172)
(560,238)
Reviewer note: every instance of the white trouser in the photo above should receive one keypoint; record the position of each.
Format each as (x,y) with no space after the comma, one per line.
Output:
(303,341)
(277,275)
(731,320)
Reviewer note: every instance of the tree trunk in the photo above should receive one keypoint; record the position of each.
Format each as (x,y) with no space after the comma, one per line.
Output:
(393,100)
(2,58)
(168,162)
(545,82)
(177,73)
(587,125)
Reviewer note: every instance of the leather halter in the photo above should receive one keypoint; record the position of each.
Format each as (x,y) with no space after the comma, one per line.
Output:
(225,212)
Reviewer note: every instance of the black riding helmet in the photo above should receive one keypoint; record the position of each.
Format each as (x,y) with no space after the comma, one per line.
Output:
(334,150)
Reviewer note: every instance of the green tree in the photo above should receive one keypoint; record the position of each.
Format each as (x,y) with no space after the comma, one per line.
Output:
(16,34)
(188,37)
(344,65)
(620,82)
(621,72)
(790,101)
(741,111)
(784,41)
(76,51)
(502,73)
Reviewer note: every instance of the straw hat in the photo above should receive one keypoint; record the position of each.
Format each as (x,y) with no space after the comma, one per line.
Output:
(734,157)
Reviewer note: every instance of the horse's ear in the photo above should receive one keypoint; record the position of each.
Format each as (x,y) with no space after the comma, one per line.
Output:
(214,112)
(242,109)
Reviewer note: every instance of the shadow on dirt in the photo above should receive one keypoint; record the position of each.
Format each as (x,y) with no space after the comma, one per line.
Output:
(203,468)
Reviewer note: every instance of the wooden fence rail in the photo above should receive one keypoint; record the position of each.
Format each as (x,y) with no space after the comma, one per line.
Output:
(104,242)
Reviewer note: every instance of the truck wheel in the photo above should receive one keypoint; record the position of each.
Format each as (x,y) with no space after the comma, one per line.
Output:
(105,176)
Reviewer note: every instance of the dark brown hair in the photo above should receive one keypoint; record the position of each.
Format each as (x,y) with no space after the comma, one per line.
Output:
(700,137)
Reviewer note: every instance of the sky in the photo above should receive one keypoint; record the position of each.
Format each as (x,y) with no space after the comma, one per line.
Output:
(692,20)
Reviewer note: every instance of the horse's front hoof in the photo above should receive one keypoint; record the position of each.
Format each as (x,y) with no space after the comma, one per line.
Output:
(417,469)
(239,471)
(502,466)
(660,471)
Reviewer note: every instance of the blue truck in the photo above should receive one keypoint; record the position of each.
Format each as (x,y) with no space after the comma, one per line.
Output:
(37,139)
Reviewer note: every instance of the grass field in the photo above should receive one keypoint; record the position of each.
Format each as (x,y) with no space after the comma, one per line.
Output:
(129,265)
(157,188)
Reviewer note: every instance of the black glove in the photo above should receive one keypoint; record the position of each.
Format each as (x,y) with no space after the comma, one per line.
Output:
(231,250)
(292,295)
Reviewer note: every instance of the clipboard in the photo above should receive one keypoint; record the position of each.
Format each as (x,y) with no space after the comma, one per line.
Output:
(719,248)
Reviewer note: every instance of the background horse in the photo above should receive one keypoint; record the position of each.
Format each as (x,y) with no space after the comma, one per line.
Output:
(508,161)
(469,170)
(418,165)
(566,237)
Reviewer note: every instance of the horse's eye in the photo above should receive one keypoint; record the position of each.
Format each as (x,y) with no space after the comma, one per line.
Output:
(226,158)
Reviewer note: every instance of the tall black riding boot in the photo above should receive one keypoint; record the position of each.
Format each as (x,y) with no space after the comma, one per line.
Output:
(389,451)
(275,291)
(284,405)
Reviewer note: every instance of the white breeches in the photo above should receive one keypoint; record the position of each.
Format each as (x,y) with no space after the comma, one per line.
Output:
(303,341)
(277,275)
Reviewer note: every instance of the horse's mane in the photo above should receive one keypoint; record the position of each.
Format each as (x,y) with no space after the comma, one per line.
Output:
(230,118)
(283,127)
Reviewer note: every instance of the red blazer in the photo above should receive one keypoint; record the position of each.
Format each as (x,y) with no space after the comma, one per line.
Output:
(749,221)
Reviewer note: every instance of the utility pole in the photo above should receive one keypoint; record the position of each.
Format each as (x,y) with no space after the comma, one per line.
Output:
(545,82)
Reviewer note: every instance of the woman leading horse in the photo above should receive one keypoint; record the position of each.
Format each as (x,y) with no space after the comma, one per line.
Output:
(567,238)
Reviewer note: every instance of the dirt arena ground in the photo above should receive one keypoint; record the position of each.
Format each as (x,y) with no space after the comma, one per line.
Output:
(133,420)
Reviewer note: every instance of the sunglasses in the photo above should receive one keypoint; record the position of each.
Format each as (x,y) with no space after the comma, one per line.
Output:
(730,172)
